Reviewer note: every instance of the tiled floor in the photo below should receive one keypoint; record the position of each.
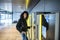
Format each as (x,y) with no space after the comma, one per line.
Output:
(9,33)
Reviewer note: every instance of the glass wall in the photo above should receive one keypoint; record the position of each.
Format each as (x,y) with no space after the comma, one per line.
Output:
(5,18)
(16,16)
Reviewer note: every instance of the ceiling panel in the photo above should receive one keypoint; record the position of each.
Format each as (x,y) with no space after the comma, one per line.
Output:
(16,5)
(5,1)
(32,4)
(19,5)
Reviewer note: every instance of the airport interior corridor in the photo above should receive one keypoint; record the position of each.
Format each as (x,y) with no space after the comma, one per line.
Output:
(43,19)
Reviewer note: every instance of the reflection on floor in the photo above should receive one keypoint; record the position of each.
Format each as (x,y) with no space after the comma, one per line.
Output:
(9,33)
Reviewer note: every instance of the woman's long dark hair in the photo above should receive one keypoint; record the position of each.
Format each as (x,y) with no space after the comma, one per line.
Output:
(22,17)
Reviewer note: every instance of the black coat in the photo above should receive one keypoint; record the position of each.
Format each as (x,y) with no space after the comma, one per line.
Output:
(22,25)
(45,23)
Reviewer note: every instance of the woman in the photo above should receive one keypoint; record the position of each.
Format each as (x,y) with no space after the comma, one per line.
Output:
(22,25)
